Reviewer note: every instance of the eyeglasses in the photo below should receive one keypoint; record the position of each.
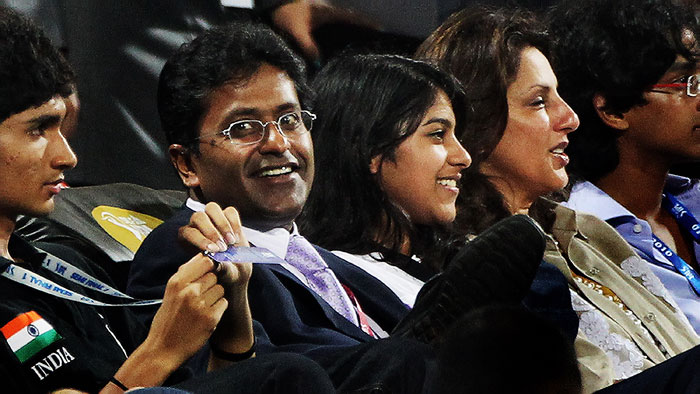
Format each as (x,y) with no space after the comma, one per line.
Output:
(692,86)
(252,131)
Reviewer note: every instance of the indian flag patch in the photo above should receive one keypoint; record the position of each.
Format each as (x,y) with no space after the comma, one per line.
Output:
(27,334)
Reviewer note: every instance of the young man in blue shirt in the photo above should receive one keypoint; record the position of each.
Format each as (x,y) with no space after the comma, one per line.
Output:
(630,71)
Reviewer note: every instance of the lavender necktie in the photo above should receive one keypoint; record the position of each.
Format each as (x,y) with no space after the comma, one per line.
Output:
(302,256)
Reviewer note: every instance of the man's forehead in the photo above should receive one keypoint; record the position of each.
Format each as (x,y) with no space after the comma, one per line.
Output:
(686,61)
(683,64)
(55,107)
(268,91)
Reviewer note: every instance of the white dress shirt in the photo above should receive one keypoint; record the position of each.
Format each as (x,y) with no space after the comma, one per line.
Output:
(405,286)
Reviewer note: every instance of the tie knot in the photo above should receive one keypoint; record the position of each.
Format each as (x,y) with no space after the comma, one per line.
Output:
(305,258)
(302,255)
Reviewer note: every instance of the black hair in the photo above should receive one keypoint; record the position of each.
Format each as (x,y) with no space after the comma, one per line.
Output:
(617,49)
(366,106)
(32,71)
(219,56)
(482,47)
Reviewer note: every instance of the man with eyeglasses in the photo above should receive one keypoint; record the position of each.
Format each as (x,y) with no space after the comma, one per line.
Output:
(233,104)
(630,71)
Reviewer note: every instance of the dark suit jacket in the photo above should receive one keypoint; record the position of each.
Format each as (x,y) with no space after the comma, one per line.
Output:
(291,316)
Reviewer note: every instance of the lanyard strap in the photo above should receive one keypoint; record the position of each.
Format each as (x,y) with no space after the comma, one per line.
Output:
(681,266)
(79,277)
(73,274)
(685,219)
(689,223)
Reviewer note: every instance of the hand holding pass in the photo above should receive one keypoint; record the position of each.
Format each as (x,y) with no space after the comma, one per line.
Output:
(192,307)
(214,230)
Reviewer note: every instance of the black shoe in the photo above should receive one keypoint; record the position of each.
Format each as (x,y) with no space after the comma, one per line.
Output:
(497,267)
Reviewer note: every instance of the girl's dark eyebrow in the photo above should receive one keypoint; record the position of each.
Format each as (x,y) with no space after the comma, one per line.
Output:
(443,121)
(539,87)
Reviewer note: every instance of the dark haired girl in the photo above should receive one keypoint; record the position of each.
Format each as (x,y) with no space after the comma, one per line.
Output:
(388,166)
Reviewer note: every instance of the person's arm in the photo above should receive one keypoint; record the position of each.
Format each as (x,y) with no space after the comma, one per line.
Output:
(296,18)
(213,230)
(192,307)
(299,19)
(234,335)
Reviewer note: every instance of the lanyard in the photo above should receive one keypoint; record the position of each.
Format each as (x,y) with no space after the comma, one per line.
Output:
(687,221)
(683,216)
(73,274)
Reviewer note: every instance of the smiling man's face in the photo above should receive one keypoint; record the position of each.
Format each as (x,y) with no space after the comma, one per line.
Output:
(267,182)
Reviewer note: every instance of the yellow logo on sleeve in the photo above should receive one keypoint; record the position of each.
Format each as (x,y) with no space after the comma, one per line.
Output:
(129,228)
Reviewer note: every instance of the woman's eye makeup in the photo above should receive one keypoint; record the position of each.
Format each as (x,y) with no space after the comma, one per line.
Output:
(437,134)
(538,95)
(538,101)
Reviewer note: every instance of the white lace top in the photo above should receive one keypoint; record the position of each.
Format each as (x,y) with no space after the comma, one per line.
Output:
(625,356)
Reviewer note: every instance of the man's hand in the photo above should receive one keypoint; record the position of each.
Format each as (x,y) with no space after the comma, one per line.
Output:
(194,305)
(214,230)
(192,308)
